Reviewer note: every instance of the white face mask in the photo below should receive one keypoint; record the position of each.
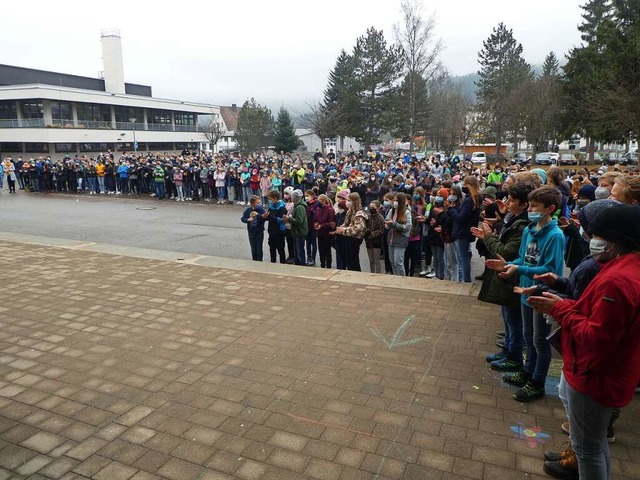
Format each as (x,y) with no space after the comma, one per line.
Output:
(597,247)
(349,204)
(395,204)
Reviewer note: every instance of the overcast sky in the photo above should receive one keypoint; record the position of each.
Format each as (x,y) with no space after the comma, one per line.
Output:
(278,51)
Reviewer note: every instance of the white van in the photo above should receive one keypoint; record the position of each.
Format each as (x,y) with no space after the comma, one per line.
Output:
(478,157)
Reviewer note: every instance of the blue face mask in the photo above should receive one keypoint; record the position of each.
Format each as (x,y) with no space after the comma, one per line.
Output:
(439,199)
(416,197)
(452,199)
(387,203)
(535,216)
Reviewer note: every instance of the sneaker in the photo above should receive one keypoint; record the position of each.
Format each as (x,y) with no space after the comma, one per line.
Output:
(506,365)
(500,334)
(496,356)
(423,273)
(431,275)
(529,393)
(566,468)
(551,456)
(565,427)
(611,435)
(519,379)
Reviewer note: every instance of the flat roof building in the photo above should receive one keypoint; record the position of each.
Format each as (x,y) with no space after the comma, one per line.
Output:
(49,113)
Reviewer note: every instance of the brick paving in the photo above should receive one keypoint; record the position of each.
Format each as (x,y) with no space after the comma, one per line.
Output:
(114,367)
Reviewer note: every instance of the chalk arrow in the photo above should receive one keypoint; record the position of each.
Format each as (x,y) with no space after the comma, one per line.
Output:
(395,341)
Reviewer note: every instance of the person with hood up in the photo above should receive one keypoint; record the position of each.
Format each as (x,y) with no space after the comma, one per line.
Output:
(299,226)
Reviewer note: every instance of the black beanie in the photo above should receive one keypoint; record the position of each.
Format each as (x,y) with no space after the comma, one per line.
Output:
(619,224)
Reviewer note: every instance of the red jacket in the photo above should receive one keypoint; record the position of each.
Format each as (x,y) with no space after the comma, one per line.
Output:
(324,216)
(601,334)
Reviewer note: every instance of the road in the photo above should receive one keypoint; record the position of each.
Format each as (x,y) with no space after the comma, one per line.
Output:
(191,227)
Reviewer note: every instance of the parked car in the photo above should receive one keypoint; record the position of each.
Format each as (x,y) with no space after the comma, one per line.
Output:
(554,156)
(520,158)
(543,159)
(567,159)
(613,158)
(632,157)
(478,157)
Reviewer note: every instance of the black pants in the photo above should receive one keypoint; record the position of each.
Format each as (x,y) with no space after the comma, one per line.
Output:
(276,246)
(324,249)
(412,258)
(353,253)
(387,260)
(256,240)
(289,240)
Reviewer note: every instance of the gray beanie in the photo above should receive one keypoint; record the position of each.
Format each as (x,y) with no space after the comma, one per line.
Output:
(589,212)
(296,195)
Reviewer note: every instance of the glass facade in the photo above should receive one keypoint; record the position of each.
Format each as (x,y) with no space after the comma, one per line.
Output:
(123,114)
(92,112)
(11,147)
(8,110)
(32,109)
(162,146)
(185,118)
(161,117)
(96,147)
(36,147)
(61,112)
(65,147)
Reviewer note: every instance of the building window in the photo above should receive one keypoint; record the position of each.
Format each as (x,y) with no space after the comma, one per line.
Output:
(123,114)
(65,147)
(32,109)
(187,146)
(96,147)
(162,146)
(8,110)
(11,147)
(61,113)
(162,117)
(36,147)
(185,118)
(91,112)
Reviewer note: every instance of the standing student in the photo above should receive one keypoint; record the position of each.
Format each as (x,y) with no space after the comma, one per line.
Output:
(353,230)
(541,251)
(324,222)
(254,218)
(466,216)
(299,226)
(398,223)
(277,227)
(374,236)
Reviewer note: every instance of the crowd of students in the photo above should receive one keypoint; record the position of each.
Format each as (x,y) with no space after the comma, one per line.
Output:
(422,217)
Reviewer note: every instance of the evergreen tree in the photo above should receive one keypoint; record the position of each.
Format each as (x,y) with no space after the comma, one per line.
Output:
(502,69)
(411,108)
(377,68)
(285,138)
(340,104)
(551,67)
(255,127)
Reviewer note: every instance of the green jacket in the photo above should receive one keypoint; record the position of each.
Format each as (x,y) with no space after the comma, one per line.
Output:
(298,220)
(158,174)
(495,289)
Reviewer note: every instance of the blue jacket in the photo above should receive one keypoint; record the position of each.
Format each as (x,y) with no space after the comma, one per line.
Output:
(465,216)
(541,251)
(257,224)
(123,171)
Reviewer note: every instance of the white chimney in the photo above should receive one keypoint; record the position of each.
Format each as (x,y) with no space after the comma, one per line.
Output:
(112,61)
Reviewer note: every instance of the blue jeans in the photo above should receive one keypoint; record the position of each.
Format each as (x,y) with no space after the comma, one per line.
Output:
(438,261)
(298,250)
(220,193)
(513,338)
(536,329)
(588,422)
(396,255)
(256,239)
(463,257)
(160,190)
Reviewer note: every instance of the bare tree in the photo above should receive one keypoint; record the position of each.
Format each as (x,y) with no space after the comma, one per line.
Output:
(320,120)
(416,35)
(213,129)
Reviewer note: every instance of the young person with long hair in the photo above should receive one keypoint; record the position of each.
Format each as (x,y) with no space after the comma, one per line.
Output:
(353,229)
(465,217)
(398,223)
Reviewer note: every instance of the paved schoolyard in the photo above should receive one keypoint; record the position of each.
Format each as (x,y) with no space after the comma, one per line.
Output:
(119,367)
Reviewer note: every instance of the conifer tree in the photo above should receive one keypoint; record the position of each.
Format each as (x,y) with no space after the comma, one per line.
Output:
(285,138)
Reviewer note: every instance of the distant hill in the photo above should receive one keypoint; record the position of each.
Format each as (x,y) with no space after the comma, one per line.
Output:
(467,82)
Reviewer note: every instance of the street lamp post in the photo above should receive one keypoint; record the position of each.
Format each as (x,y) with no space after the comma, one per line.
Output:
(135,144)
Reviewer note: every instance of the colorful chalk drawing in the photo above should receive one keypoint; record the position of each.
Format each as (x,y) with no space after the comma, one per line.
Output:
(533,435)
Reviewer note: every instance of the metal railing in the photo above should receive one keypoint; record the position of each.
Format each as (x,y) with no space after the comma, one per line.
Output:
(99,125)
